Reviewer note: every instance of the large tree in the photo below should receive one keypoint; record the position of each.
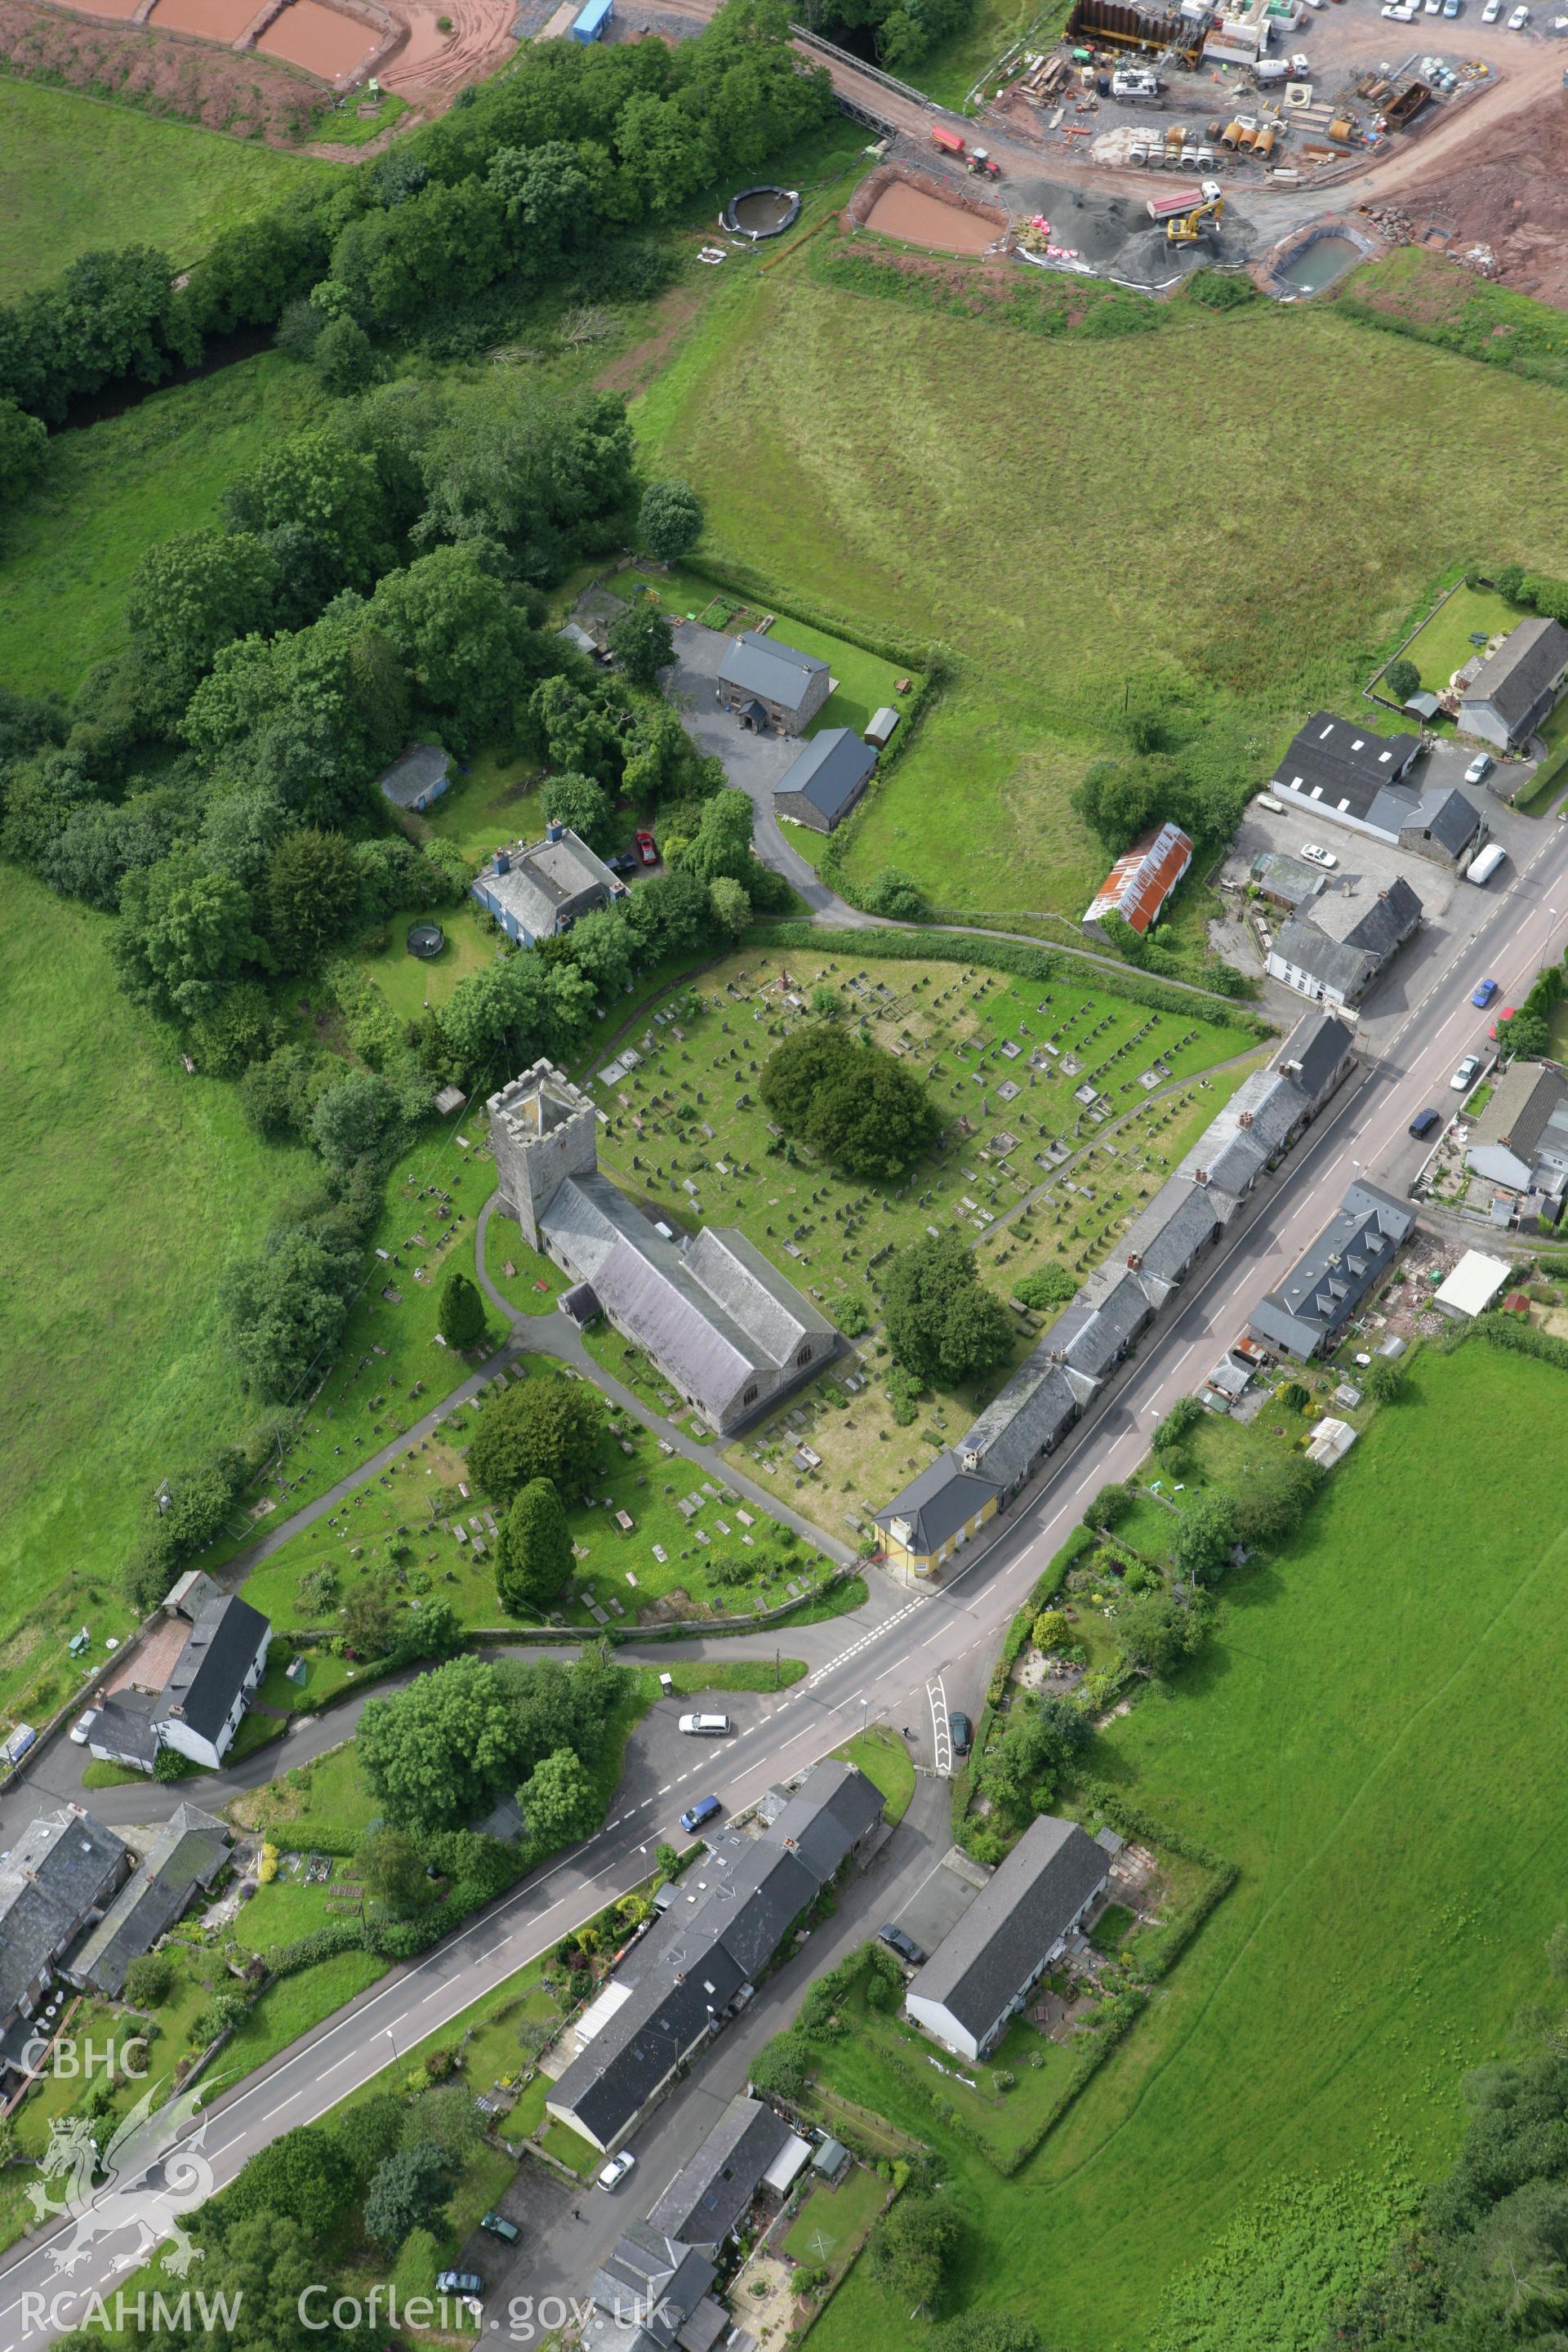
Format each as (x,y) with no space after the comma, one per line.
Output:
(642,641)
(913,2245)
(185,935)
(941,1324)
(304,2174)
(389,1865)
(578,801)
(1155,1632)
(1203,1542)
(670,520)
(190,596)
(853,1103)
(462,1311)
(317,487)
(545,1427)
(435,1752)
(409,2192)
(558,1801)
(534,1557)
(311,894)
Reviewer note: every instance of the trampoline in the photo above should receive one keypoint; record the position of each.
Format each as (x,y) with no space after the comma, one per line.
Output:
(757,212)
(425,940)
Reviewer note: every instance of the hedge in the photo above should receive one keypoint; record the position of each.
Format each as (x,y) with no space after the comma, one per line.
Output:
(1013,956)
(323,1943)
(1047,1585)
(1512,1331)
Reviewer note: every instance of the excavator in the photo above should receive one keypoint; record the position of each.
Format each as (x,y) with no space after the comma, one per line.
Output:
(1187,227)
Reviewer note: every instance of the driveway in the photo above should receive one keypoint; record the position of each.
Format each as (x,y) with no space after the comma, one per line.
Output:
(754,763)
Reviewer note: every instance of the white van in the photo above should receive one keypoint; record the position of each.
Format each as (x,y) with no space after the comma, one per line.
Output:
(1482,868)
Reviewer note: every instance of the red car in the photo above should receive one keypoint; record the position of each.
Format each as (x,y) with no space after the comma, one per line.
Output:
(647,849)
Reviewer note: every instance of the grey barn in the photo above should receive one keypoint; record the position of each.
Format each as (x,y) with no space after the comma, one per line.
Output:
(1515,691)
(823,783)
(723,1326)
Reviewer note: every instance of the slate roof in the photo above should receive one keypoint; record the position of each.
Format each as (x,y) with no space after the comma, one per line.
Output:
(829,772)
(416,772)
(187,1852)
(60,1869)
(937,1503)
(650,2283)
(988,1959)
(827,1815)
(710,2195)
(1034,1410)
(1387,920)
(124,1726)
(1529,660)
(1188,1226)
(765,666)
(702,1951)
(1342,764)
(1143,878)
(1329,962)
(710,1314)
(544,877)
(209,1673)
(1523,1102)
(1329,1281)
(1121,1313)
(1319,1044)
(1449,818)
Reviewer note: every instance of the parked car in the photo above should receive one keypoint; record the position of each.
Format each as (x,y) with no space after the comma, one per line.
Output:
(960,1731)
(1480,767)
(647,849)
(625,861)
(1481,869)
(1484,994)
(83,1727)
(695,1815)
(707,1726)
(1519,20)
(1450,8)
(1423,1123)
(1491,12)
(499,2227)
(459,2283)
(905,1946)
(1434,7)
(1464,1078)
(1318,854)
(616,2171)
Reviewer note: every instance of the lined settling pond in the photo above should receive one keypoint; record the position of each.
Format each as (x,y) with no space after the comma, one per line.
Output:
(1319,264)
(921,219)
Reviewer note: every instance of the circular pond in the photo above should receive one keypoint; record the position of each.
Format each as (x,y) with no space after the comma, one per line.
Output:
(760,212)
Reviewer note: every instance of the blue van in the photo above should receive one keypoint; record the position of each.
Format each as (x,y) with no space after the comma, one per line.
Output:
(702,1811)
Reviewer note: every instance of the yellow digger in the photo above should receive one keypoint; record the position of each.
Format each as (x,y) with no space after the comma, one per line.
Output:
(1187,227)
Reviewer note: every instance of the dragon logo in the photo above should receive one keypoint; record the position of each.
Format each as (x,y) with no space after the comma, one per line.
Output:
(152,2177)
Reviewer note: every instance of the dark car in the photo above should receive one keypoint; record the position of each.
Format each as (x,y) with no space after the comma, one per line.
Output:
(695,1815)
(1424,1122)
(499,2227)
(960,1731)
(623,862)
(905,1946)
(459,2283)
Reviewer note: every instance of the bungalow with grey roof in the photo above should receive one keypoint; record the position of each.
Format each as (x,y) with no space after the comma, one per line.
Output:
(984,1969)
(417,778)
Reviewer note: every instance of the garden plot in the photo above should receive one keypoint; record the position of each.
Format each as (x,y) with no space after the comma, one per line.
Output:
(656,1539)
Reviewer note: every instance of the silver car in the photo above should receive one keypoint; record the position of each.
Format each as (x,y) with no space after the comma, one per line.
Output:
(1464,1078)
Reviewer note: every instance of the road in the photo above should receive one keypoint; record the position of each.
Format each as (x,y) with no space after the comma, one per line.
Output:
(876,1664)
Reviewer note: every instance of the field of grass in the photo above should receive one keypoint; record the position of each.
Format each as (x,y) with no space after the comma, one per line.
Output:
(834,2221)
(123,1187)
(495,803)
(646,1574)
(1374,1736)
(410,982)
(871,448)
(107,495)
(79,172)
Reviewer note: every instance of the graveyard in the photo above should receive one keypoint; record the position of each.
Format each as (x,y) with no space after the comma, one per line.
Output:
(1067,1107)
(658,1538)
